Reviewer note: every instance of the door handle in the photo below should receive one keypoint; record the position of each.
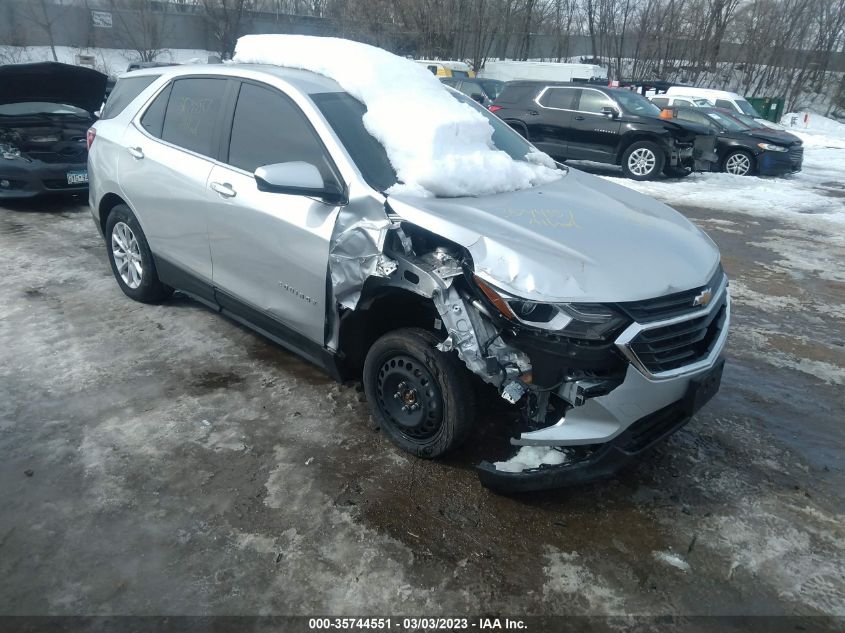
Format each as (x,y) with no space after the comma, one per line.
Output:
(578,118)
(136,152)
(224,189)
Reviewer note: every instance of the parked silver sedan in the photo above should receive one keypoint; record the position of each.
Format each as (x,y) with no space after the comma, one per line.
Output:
(598,312)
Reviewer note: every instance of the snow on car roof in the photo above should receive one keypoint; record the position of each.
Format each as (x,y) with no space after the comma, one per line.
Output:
(437,145)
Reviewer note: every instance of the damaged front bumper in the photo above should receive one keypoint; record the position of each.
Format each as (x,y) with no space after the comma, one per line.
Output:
(602,435)
(625,445)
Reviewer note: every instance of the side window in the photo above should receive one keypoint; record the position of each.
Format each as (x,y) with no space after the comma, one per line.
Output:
(192,111)
(683,102)
(724,103)
(660,102)
(269,128)
(124,93)
(693,117)
(593,101)
(563,98)
(153,119)
(433,69)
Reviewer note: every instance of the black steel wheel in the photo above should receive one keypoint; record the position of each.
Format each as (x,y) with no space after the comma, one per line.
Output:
(421,397)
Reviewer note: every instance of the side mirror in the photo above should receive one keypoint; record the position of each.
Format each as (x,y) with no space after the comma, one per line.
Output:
(298,179)
(610,112)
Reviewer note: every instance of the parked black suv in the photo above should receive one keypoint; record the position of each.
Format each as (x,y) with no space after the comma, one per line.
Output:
(608,125)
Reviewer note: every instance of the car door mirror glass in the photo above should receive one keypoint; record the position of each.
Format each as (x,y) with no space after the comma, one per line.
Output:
(296,178)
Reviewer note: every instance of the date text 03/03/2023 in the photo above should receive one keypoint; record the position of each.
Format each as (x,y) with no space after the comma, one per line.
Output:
(417,624)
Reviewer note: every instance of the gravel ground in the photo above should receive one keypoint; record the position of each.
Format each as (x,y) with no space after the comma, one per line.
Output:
(164,460)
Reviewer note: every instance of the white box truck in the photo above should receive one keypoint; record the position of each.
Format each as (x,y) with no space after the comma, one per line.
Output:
(542,71)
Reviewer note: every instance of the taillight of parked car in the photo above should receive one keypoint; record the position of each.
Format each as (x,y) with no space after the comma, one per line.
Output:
(89,138)
(494,108)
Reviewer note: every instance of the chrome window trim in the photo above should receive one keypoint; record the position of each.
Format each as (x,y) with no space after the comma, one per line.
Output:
(547,88)
(623,341)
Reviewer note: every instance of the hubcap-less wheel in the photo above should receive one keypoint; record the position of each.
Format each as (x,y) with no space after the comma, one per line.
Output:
(127,255)
(641,161)
(738,164)
(409,397)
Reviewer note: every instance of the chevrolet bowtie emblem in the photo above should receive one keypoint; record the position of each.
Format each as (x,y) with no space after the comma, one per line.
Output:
(704,298)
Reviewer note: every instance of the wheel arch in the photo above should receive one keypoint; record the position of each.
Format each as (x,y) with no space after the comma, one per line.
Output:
(380,310)
(107,203)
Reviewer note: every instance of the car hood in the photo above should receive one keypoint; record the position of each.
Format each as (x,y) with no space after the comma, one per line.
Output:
(774,136)
(580,238)
(54,83)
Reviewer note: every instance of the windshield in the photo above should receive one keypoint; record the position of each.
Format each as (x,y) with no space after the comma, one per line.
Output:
(345,114)
(728,122)
(750,121)
(40,107)
(634,103)
(747,108)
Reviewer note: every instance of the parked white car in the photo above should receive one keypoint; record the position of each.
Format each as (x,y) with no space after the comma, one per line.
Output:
(719,98)
(669,101)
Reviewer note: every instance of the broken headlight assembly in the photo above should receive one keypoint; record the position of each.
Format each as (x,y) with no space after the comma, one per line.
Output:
(593,321)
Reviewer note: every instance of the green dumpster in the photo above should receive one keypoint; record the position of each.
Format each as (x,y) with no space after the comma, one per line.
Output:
(770,108)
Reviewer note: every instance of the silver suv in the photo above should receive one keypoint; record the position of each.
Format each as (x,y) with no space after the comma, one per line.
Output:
(598,312)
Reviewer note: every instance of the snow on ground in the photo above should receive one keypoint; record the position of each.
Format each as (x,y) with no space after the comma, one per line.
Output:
(814,196)
(112,61)
(437,145)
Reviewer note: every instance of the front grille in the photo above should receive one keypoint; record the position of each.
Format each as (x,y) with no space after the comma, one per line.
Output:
(672,346)
(669,306)
(65,155)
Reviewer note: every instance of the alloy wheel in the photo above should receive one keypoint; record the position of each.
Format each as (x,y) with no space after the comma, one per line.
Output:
(641,162)
(738,164)
(127,255)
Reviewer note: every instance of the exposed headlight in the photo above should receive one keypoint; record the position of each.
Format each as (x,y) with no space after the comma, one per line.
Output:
(578,320)
(772,148)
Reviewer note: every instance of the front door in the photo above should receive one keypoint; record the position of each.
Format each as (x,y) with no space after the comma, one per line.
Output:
(270,251)
(594,135)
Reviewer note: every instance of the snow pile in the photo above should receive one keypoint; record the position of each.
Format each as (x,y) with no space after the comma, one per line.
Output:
(815,130)
(529,457)
(437,145)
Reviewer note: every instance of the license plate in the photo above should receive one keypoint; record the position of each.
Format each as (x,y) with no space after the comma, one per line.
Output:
(703,388)
(77,177)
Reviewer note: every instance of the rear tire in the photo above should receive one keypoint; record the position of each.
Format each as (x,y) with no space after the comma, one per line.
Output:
(421,397)
(130,258)
(643,160)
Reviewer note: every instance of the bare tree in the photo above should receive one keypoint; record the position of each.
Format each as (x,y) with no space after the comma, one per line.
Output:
(45,19)
(143,26)
(224,19)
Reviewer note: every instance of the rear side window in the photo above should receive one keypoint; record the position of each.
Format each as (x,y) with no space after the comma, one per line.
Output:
(153,119)
(269,128)
(660,102)
(514,94)
(564,98)
(124,93)
(724,103)
(191,118)
(683,102)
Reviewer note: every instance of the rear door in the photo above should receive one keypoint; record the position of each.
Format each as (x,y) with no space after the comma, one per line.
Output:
(550,123)
(270,250)
(593,134)
(164,166)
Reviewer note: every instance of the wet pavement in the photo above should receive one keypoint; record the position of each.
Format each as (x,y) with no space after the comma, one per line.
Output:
(164,460)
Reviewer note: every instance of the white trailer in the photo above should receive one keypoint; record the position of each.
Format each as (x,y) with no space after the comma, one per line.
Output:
(542,71)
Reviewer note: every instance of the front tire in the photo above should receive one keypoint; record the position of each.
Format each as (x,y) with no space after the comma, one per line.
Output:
(739,163)
(643,160)
(130,258)
(421,397)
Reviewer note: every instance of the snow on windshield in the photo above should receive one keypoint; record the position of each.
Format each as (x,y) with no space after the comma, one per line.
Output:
(437,145)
